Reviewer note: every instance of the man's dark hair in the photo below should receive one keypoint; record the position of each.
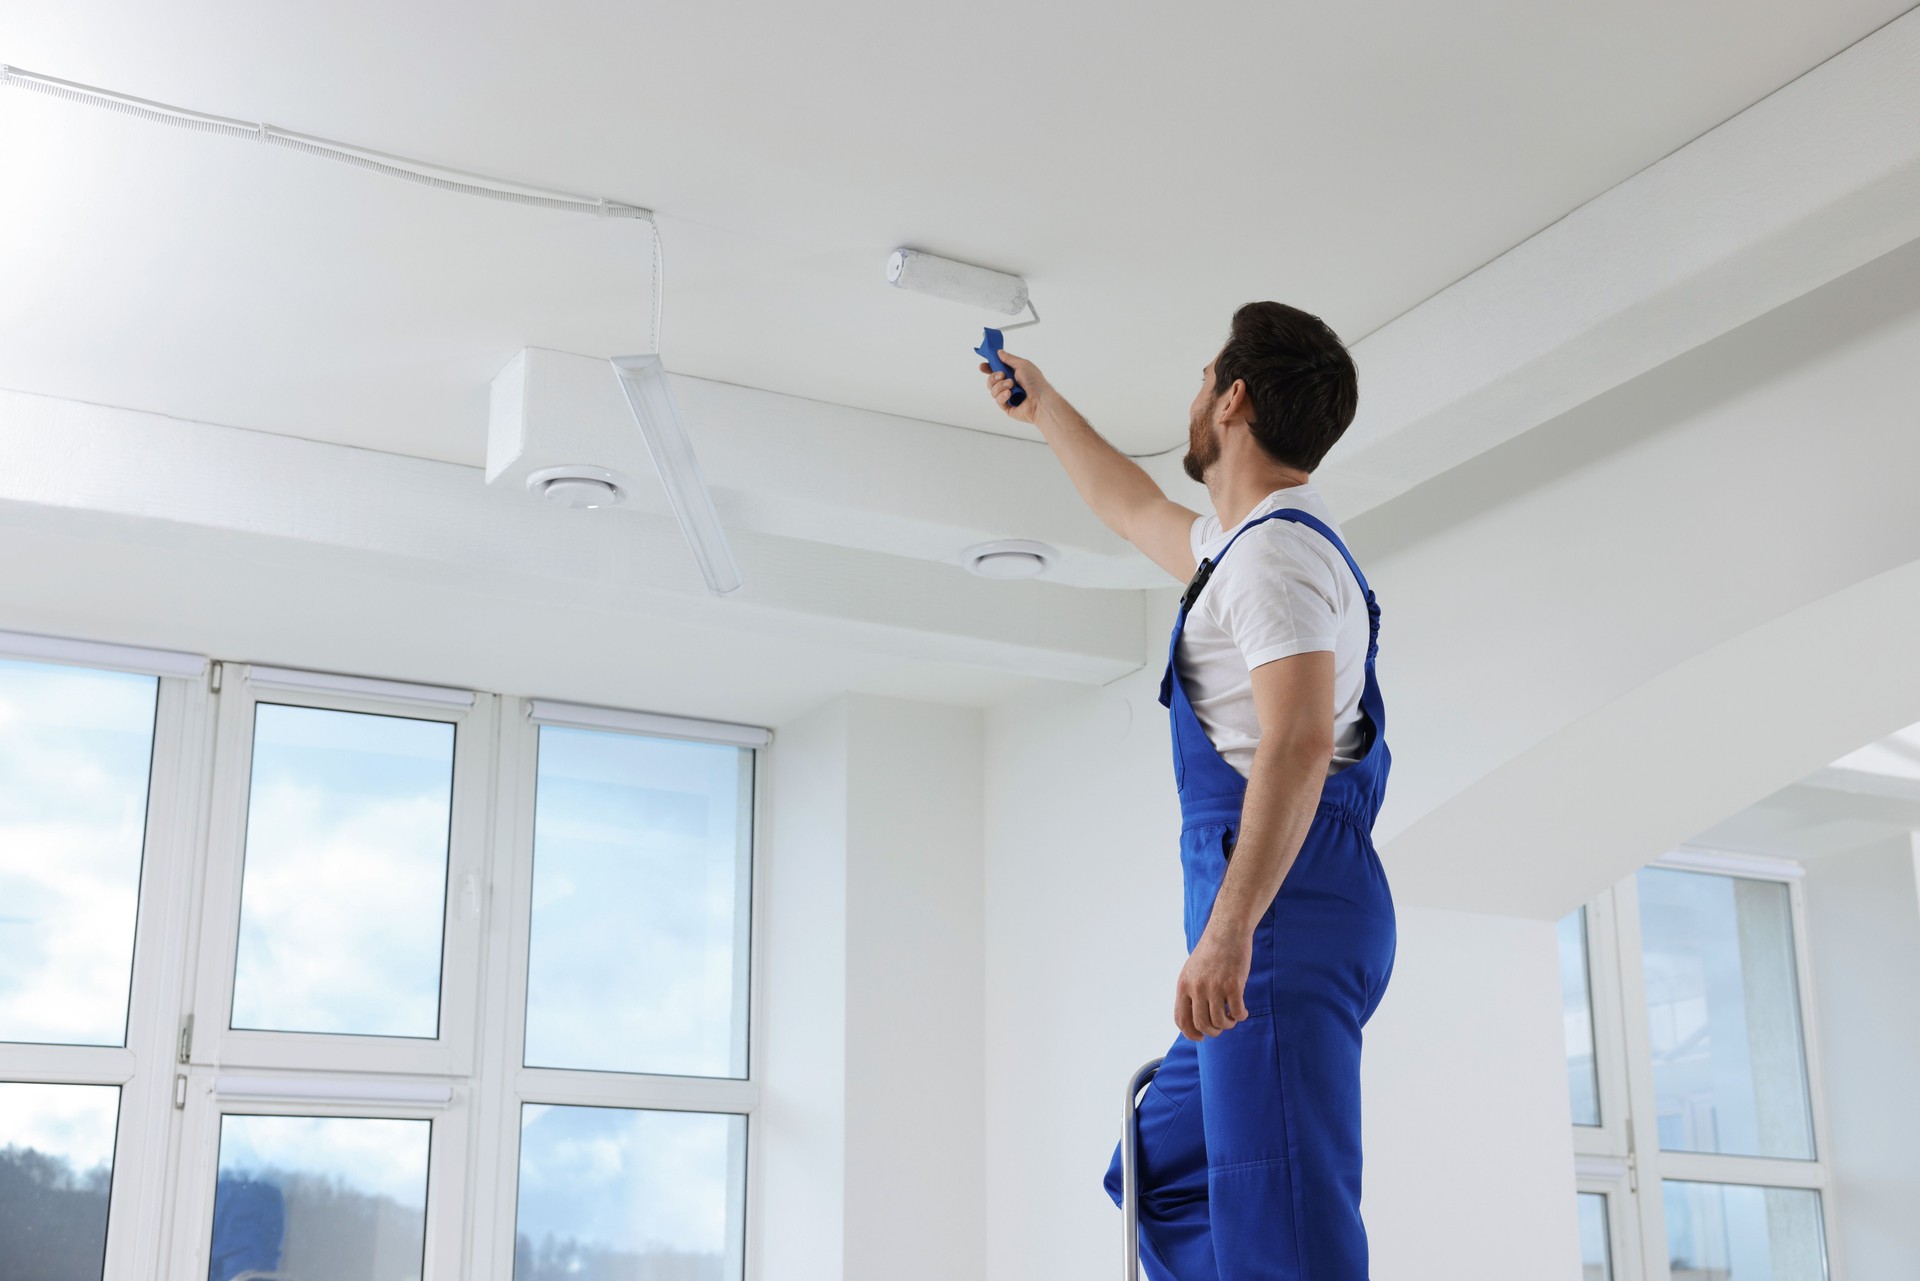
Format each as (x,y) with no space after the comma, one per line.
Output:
(1300,380)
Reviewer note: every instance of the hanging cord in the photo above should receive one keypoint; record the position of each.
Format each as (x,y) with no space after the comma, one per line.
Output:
(420,172)
(659,289)
(415,171)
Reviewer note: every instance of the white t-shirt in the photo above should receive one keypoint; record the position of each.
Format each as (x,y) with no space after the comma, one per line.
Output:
(1283,590)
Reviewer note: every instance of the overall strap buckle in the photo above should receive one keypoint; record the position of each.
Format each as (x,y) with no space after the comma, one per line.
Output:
(1194,584)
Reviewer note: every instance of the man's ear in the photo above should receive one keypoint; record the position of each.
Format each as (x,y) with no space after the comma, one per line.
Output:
(1232,404)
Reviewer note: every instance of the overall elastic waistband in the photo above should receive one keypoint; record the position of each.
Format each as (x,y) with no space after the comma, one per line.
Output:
(1212,811)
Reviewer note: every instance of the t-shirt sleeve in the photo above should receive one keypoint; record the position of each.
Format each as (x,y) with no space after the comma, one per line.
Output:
(1275,598)
(1203,531)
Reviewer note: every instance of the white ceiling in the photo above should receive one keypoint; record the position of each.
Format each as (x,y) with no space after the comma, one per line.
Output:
(1867,796)
(1146,172)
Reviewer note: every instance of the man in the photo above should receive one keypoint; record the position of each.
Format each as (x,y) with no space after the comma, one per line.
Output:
(1250,1133)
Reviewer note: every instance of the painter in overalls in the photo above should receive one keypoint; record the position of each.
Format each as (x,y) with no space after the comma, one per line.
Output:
(1250,1151)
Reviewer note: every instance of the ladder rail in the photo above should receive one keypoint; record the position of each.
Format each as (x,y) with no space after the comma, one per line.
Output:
(1130,1166)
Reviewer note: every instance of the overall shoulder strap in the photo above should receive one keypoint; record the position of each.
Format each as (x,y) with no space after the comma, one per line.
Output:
(1202,574)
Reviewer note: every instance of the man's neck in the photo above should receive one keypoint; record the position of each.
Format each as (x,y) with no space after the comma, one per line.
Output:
(1234,497)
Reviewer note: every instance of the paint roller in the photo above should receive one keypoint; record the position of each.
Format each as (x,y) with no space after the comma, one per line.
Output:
(961,282)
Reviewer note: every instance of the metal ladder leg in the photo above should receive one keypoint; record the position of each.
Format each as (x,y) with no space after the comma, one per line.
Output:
(1130,1166)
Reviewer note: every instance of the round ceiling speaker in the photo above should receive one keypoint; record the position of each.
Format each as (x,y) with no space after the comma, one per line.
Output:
(580,486)
(1009,558)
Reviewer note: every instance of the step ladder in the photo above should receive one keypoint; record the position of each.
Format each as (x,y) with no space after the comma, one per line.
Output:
(1130,1166)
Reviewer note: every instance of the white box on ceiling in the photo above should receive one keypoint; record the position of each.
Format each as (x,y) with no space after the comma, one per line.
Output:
(555,409)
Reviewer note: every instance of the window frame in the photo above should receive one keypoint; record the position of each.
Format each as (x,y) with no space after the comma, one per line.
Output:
(1608,1011)
(450,1053)
(143,1068)
(509,1085)
(198,1164)
(182,1068)
(1622,1042)
(1612,1178)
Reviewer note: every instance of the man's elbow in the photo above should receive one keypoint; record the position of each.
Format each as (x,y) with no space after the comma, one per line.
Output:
(1302,751)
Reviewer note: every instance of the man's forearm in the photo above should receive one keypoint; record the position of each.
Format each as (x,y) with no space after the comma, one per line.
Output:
(1109,482)
(1283,792)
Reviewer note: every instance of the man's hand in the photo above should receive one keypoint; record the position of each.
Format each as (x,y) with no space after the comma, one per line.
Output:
(1211,994)
(1031,380)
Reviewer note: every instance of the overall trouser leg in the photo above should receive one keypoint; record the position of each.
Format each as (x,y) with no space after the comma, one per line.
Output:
(1250,1156)
(1176,1242)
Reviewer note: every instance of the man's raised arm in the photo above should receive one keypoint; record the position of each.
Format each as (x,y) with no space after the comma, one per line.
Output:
(1118,489)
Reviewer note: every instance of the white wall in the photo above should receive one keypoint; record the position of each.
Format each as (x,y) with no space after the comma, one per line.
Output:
(1469,1156)
(1470,1170)
(1863,937)
(801,1196)
(915,1156)
(872,996)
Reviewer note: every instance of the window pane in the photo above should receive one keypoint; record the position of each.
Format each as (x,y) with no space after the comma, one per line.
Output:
(1576,1017)
(56,1165)
(1596,1253)
(1721,1232)
(1723,1010)
(344,893)
(616,1194)
(638,953)
(320,1199)
(75,747)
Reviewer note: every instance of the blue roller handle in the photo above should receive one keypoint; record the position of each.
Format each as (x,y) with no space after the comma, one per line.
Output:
(989,351)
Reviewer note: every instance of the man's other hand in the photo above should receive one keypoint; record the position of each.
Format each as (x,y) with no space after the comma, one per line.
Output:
(1031,380)
(1211,994)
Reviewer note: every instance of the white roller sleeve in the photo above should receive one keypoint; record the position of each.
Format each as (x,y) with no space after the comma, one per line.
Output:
(957,282)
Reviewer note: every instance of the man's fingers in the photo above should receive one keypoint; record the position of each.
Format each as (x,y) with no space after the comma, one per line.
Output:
(1237,1007)
(1181,1018)
(1204,1015)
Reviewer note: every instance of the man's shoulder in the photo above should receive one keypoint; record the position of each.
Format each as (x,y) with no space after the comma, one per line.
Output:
(1282,539)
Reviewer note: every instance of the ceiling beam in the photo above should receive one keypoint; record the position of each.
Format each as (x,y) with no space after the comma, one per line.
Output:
(791,467)
(1807,184)
(442,523)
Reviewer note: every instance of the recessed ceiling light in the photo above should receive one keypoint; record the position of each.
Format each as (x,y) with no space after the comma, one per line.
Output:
(580,485)
(1009,558)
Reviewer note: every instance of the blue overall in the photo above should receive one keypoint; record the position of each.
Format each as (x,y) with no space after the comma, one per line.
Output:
(1250,1140)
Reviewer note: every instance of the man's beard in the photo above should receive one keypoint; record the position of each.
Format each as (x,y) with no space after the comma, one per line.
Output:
(1203,450)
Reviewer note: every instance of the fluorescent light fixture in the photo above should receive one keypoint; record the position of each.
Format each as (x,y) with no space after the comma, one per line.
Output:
(644,379)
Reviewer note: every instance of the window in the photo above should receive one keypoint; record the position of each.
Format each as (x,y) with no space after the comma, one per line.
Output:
(1576,1014)
(630,1089)
(341,802)
(1596,1250)
(622,1192)
(1699,1147)
(637,956)
(56,1169)
(320,976)
(310,1196)
(87,811)
(75,747)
